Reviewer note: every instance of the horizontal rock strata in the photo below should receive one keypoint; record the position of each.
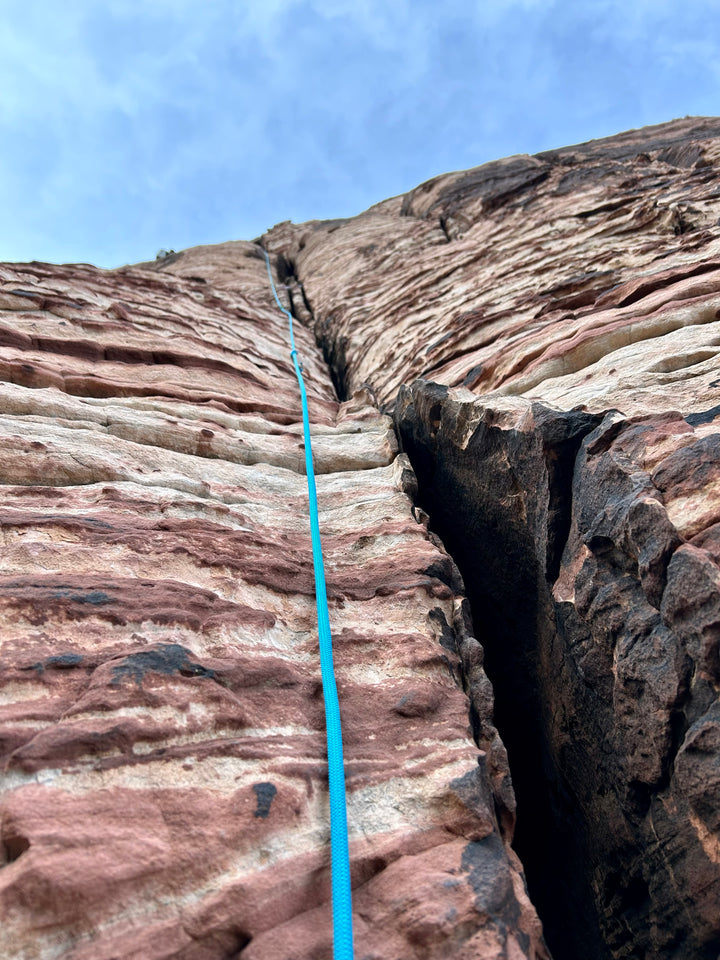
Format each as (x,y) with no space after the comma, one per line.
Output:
(545,332)
(597,608)
(548,291)
(164,785)
(585,276)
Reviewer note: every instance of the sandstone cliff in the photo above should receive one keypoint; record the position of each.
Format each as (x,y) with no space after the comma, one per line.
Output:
(539,338)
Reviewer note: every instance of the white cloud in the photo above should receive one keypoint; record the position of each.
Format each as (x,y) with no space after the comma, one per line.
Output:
(227,115)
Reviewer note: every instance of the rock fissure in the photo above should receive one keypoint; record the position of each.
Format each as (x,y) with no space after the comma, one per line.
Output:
(553,518)
(517,696)
(485,501)
(333,351)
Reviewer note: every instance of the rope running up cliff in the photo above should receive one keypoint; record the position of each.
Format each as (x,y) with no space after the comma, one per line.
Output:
(340,858)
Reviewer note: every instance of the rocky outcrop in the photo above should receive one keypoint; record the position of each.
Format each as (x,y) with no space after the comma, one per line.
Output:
(585,276)
(572,302)
(544,332)
(164,785)
(595,586)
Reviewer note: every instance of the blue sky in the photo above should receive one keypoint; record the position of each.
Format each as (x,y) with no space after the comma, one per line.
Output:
(127,126)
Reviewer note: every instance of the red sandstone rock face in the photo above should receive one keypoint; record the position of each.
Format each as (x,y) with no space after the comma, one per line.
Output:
(164,779)
(587,279)
(584,276)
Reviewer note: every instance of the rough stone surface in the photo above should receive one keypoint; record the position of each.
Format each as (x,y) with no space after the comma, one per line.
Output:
(161,720)
(548,291)
(585,276)
(597,607)
(164,779)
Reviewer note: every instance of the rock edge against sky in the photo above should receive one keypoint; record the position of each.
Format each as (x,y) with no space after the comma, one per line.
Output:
(514,388)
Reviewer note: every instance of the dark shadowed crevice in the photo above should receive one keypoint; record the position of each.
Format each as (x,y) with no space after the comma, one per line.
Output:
(480,502)
(14,845)
(333,349)
(335,357)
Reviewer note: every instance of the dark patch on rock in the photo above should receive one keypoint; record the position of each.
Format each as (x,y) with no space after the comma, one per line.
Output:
(128,600)
(445,631)
(489,876)
(95,597)
(495,184)
(167,658)
(64,661)
(447,572)
(13,845)
(681,154)
(265,793)
(581,175)
(707,416)
(609,207)
(472,376)
(471,790)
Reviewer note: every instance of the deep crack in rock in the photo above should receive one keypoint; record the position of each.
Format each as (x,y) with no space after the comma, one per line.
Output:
(577,295)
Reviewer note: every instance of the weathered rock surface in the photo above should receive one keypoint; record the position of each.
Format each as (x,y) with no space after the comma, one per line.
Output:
(164,786)
(548,291)
(584,276)
(597,607)
(162,726)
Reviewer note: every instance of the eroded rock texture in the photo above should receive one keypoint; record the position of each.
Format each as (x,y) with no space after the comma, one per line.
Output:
(597,608)
(164,778)
(572,303)
(545,332)
(585,276)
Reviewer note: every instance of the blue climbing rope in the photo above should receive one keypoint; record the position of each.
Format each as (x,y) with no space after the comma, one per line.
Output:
(340,857)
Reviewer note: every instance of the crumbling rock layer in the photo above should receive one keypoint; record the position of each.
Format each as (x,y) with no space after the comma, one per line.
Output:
(163,779)
(571,301)
(544,331)
(584,276)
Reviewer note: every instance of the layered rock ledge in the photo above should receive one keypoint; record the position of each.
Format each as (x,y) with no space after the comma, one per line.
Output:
(164,788)
(572,302)
(543,332)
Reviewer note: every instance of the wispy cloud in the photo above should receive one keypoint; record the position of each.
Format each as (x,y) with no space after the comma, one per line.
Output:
(127,126)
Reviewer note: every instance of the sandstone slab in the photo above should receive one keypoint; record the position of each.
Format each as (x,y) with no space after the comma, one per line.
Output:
(583,276)
(164,789)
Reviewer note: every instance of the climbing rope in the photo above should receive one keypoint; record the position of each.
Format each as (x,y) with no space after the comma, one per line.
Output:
(340,858)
